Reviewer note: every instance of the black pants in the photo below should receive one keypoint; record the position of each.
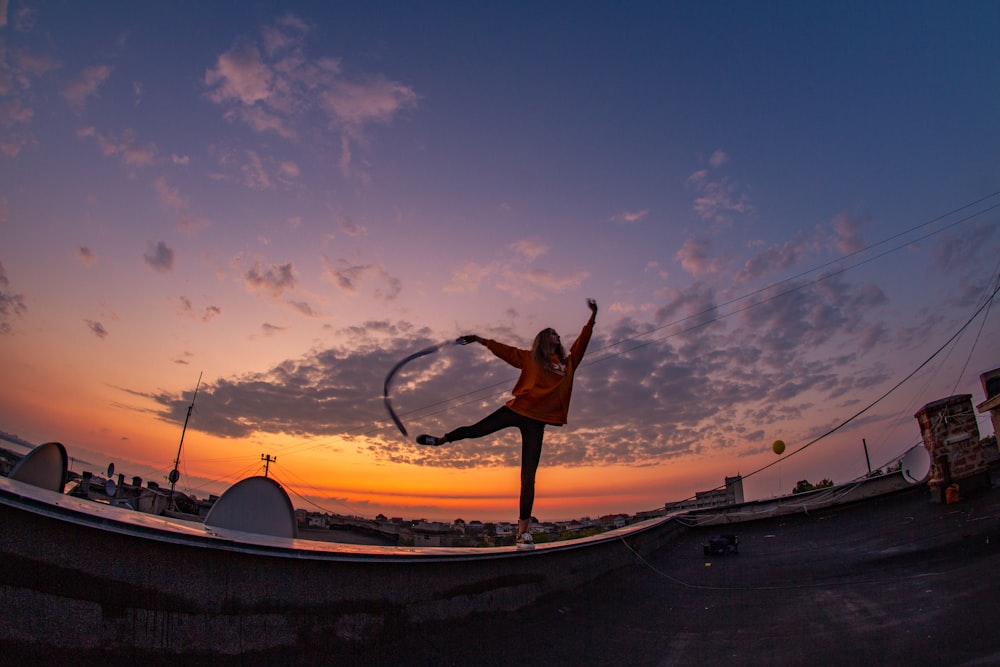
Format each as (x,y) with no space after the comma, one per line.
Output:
(532,431)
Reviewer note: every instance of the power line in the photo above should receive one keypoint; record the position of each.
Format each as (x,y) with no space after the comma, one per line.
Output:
(429,409)
(481,393)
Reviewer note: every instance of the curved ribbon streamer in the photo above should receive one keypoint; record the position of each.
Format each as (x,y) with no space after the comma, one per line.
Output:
(388,378)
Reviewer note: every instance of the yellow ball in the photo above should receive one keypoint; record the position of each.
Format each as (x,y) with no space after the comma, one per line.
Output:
(778,446)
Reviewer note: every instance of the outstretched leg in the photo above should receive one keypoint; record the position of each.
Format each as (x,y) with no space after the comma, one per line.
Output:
(498,420)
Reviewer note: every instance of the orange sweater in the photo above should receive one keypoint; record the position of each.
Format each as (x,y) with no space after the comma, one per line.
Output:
(543,393)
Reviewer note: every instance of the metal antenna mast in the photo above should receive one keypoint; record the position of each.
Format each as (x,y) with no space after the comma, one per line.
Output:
(175,474)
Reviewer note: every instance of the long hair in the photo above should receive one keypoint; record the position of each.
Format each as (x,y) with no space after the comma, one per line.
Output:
(543,349)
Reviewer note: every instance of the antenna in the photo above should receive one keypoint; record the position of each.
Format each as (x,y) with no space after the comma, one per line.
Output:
(175,474)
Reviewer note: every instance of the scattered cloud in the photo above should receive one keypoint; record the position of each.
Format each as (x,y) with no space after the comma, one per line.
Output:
(718,158)
(86,84)
(132,153)
(654,397)
(469,276)
(350,278)
(529,249)
(172,200)
(514,274)
(11,305)
(159,257)
(347,225)
(86,256)
(847,228)
(204,314)
(269,330)
(628,217)
(719,200)
(97,329)
(19,70)
(771,260)
(273,280)
(695,258)
(272,89)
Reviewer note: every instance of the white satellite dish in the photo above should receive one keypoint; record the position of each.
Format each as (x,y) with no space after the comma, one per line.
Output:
(254,505)
(915,465)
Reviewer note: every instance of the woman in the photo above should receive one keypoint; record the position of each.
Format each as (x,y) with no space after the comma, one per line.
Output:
(541,396)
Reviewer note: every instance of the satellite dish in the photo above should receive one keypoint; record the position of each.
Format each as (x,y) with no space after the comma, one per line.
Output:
(43,466)
(111,470)
(915,465)
(110,488)
(254,505)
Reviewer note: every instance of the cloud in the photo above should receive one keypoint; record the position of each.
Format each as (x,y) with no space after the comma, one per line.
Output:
(206,314)
(628,217)
(11,305)
(274,280)
(86,256)
(24,19)
(18,72)
(847,228)
(372,99)
(514,274)
(276,89)
(467,277)
(97,329)
(694,258)
(650,397)
(553,282)
(350,278)
(956,253)
(240,75)
(529,249)
(269,330)
(718,158)
(86,84)
(255,176)
(171,199)
(346,225)
(303,307)
(718,200)
(127,147)
(159,257)
(771,260)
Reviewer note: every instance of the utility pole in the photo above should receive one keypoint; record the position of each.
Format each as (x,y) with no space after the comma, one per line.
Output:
(267,462)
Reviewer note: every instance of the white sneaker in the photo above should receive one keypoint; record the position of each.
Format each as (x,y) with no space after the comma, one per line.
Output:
(525,542)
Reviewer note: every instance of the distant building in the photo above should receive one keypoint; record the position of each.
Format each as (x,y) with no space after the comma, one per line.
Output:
(730,494)
(991,387)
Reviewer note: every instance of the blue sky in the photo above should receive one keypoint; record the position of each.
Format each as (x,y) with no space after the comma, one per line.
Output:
(288,198)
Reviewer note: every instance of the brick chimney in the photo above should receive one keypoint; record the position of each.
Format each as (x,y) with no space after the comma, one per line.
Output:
(951,435)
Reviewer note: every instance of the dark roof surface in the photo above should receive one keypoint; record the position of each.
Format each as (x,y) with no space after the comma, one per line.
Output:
(896,580)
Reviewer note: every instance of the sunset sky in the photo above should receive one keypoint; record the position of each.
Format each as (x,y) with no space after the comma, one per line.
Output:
(783,209)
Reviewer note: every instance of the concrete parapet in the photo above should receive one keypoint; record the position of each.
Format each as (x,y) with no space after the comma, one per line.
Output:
(80,576)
